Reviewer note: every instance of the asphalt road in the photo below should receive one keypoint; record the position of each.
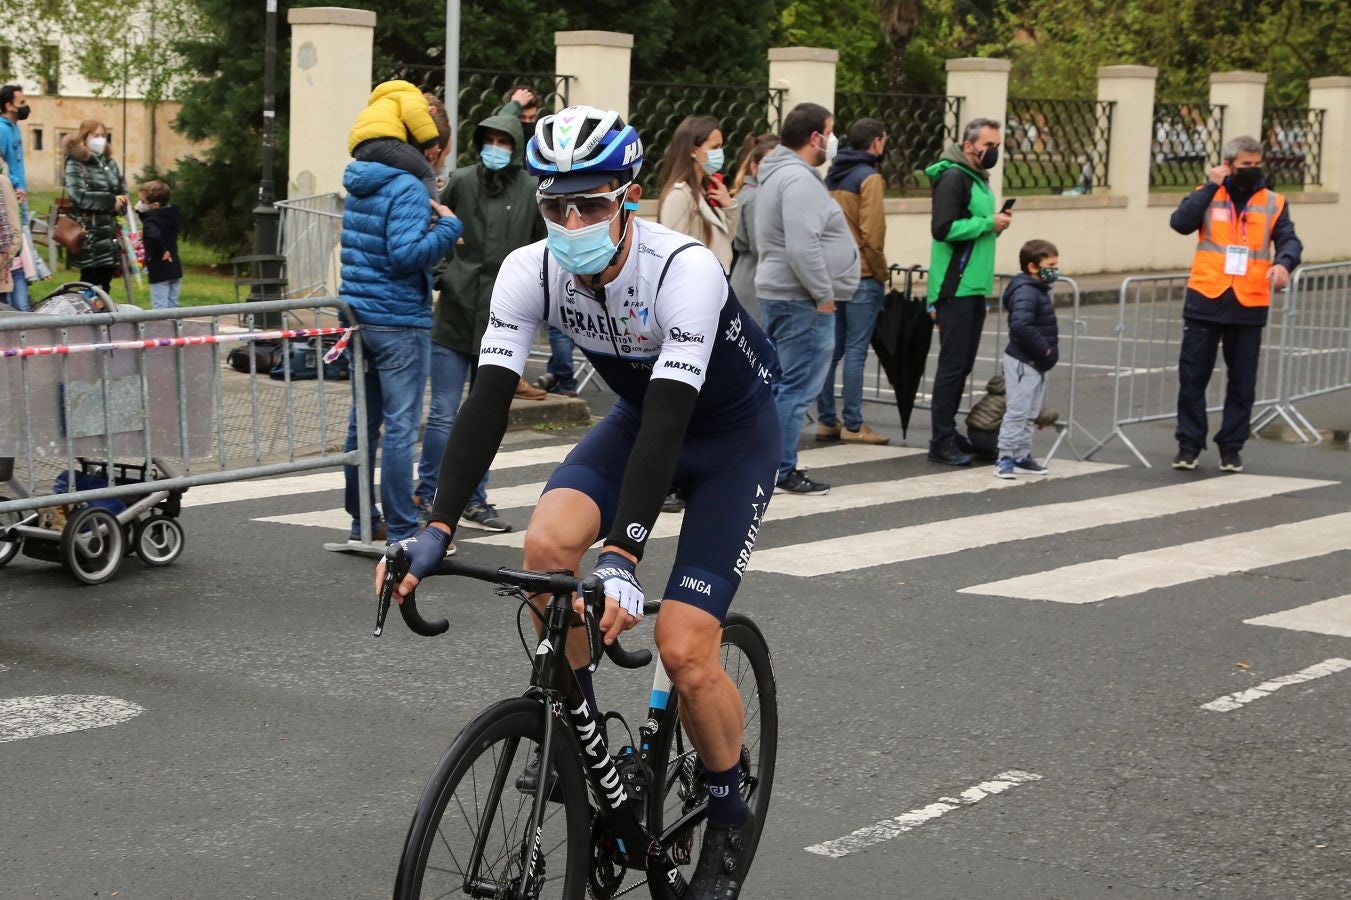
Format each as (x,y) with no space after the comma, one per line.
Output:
(262,744)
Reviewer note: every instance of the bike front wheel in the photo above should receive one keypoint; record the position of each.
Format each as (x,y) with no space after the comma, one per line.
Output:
(680,789)
(473,828)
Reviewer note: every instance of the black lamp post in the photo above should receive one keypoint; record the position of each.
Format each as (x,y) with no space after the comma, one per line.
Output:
(266,281)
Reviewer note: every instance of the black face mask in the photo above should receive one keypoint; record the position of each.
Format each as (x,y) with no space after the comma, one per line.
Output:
(990,158)
(21,112)
(1246,181)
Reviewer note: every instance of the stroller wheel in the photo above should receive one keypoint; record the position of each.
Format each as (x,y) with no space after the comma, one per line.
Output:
(159,540)
(92,544)
(10,549)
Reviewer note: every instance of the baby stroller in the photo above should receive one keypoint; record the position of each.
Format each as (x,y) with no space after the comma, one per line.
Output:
(91,538)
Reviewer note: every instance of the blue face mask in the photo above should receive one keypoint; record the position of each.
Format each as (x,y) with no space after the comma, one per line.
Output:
(586,251)
(494,158)
(714,162)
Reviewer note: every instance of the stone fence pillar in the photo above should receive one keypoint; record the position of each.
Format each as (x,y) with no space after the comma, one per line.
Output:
(1240,93)
(598,62)
(983,85)
(1131,89)
(331,52)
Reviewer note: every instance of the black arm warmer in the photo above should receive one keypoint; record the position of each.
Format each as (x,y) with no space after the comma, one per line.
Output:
(647,477)
(479,427)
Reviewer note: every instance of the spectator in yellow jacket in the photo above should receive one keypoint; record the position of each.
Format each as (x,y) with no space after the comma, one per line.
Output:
(396,128)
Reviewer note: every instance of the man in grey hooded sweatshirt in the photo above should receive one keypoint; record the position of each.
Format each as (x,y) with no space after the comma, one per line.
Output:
(808,263)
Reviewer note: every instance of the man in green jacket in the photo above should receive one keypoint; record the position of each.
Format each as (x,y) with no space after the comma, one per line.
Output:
(495,200)
(961,273)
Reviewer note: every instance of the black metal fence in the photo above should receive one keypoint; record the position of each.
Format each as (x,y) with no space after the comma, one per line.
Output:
(918,127)
(656,108)
(1186,144)
(1293,145)
(482,93)
(1056,146)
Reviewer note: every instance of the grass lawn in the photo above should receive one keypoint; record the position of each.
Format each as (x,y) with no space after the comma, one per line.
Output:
(207,279)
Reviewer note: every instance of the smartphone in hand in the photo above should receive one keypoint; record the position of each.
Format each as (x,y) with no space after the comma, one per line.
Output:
(708,195)
(1008,205)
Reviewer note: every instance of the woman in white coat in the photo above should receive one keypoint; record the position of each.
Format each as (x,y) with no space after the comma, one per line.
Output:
(693,198)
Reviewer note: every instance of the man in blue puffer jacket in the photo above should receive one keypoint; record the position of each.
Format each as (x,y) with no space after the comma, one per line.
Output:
(1033,350)
(389,243)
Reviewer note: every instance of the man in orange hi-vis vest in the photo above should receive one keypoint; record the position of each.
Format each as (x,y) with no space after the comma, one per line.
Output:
(1245,248)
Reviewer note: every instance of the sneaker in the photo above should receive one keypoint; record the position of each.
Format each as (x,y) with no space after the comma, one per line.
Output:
(545,382)
(1185,459)
(484,517)
(529,778)
(964,444)
(379,533)
(864,435)
(1029,466)
(527,391)
(1005,468)
(949,456)
(672,503)
(797,482)
(827,432)
(423,508)
(724,860)
(1230,461)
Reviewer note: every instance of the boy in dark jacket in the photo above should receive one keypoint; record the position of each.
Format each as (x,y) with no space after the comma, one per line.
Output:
(1033,350)
(160,221)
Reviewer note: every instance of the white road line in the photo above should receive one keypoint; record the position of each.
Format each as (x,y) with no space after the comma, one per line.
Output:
(862,551)
(890,828)
(525,495)
(28,717)
(1234,701)
(333,480)
(1324,617)
(1136,573)
(860,496)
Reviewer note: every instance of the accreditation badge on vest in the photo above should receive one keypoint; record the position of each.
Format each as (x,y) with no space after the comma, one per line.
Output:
(1235,260)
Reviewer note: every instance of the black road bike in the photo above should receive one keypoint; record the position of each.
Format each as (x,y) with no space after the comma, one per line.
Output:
(507,812)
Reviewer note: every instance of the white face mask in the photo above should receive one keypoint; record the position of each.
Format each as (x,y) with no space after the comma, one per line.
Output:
(97,145)
(832,147)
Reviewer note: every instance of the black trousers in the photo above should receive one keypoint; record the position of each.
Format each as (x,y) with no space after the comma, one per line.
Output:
(960,320)
(1242,352)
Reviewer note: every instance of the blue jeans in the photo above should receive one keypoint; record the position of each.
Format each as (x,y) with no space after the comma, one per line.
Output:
(396,362)
(164,294)
(805,340)
(854,323)
(450,370)
(560,360)
(18,298)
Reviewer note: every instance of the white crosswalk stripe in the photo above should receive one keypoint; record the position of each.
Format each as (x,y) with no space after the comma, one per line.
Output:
(1324,617)
(893,545)
(525,495)
(861,496)
(1137,573)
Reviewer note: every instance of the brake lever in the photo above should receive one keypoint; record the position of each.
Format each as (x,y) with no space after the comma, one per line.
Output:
(593,605)
(396,567)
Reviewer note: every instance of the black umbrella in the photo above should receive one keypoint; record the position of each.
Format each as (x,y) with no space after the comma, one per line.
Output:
(901,341)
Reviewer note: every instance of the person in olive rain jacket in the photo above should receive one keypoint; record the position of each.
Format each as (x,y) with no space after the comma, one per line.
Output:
(495,199)
(98,194)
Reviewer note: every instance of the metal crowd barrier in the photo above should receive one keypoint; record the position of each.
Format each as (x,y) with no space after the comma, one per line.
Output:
(1149,335)
(152,386)
(310,235)
(877,388)
(1315,344)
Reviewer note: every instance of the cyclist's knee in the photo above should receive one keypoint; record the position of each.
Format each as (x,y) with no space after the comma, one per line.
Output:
(690,657)
(548,548)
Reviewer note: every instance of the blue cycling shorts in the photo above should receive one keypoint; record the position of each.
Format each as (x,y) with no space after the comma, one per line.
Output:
(726,479)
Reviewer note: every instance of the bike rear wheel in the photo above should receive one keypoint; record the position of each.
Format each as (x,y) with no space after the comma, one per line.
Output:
(679,785)
(471,801)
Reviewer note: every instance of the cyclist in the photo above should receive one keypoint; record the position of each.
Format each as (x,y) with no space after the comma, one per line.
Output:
(652,311)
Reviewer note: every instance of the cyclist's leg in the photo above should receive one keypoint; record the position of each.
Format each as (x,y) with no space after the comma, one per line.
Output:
(579,503)
(728,480)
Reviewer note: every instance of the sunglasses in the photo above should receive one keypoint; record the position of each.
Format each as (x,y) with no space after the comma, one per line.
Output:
(590,208)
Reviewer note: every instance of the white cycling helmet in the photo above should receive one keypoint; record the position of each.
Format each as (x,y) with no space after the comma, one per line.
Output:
(581,148)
